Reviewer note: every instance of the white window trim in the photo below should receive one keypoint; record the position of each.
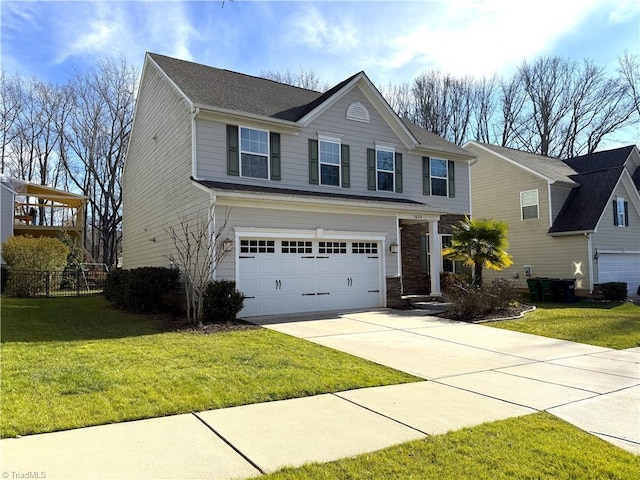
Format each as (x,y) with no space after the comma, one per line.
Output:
(432,177)
(537,204)
(622,221)
(338,141)
(268,155)
(392,150)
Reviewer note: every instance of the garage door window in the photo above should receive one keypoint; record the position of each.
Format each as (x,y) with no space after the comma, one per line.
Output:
(257,246)
(332,247)
(294,246)
(364,248)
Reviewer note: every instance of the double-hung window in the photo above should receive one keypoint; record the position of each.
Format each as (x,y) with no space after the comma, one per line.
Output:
(254,153)
(439,177)
(620,212)
(529,204)
(385,169)
(329,160)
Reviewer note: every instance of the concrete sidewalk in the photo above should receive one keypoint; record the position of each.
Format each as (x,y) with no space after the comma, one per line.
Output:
(475,374)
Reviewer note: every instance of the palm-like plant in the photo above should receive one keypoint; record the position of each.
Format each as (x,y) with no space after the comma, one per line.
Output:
(480,243)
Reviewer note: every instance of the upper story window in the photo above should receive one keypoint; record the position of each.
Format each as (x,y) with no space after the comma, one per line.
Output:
(529,204)
(329,160)
(620,212)
(439,177)
(385,169)
(254,153)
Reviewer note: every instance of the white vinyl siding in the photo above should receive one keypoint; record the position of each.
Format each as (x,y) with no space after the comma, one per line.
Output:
(211,146)
(160,144)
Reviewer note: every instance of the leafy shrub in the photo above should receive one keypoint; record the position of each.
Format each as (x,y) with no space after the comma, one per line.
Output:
(38,256)
(471,301)
(610,291)
(222,302)
(140,289)
(75,257)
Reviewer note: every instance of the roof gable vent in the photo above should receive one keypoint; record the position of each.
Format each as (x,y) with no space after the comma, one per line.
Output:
(358,113)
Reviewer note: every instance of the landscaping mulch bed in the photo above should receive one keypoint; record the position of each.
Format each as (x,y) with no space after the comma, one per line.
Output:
(509,313)
(180,324)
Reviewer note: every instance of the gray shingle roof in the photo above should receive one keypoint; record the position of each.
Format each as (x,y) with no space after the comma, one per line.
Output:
(585,204)
(552,168)
(600,160)
(242,188)
(217,88)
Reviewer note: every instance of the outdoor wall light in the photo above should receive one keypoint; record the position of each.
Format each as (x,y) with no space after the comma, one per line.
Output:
(227,245)
(393,248)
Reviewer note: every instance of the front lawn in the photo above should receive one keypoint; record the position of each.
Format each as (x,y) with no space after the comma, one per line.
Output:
(611,325)
(75,362)
(538,446)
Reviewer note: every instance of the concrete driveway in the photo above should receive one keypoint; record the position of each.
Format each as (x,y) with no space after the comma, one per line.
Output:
(595,388)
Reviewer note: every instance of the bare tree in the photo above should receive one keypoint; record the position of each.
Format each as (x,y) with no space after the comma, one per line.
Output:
(96,137)
(11,104)
(197,253)
(629,71)
(307,79)
(484,106)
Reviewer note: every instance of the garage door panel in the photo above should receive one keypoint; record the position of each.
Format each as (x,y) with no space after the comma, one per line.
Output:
(620,267)
(320,276)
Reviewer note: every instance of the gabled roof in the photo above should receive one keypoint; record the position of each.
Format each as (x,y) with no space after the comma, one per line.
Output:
(600,160)
(214,88)
(552,169)
(584,205)
(217,88)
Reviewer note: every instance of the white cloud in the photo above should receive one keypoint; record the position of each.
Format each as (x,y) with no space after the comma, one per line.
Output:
(310,28)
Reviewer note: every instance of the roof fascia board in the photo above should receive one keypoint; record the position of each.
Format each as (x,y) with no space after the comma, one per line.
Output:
(227,115)
(567,234)
(513,162)
(377,100)
(434,152)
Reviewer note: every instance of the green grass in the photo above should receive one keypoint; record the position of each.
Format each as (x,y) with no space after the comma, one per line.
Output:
(74,362)
(611,325)
(538,446)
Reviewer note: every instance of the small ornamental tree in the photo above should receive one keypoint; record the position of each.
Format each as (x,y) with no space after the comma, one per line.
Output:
(197,252)
(480,243)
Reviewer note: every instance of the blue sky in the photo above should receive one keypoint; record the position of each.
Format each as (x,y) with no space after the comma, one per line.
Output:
(390,41)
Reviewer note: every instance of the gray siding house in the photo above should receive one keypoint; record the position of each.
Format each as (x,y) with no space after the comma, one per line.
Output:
(327,198)
(576,218)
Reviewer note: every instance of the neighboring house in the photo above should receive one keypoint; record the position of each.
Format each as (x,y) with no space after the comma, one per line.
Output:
(577,218)
(40,211)
(316,187)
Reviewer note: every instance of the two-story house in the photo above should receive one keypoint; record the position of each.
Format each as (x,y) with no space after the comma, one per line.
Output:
(573,219)
(326,198)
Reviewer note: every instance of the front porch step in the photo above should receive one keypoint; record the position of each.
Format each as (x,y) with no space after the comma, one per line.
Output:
(426,302)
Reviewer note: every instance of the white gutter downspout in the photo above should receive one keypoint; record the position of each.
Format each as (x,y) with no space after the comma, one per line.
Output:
(590,253)
(195,111)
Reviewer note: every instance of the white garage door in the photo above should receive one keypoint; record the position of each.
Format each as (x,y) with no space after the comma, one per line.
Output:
(280,276)
(620,267)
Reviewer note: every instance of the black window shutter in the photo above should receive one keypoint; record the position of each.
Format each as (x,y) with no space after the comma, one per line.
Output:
(426,176)
(371,169)
(399,172)
(615,213)
(346,175)
(626,214)
(233,157)
(313,161)
(275,156)
(424,254)
(451,171)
